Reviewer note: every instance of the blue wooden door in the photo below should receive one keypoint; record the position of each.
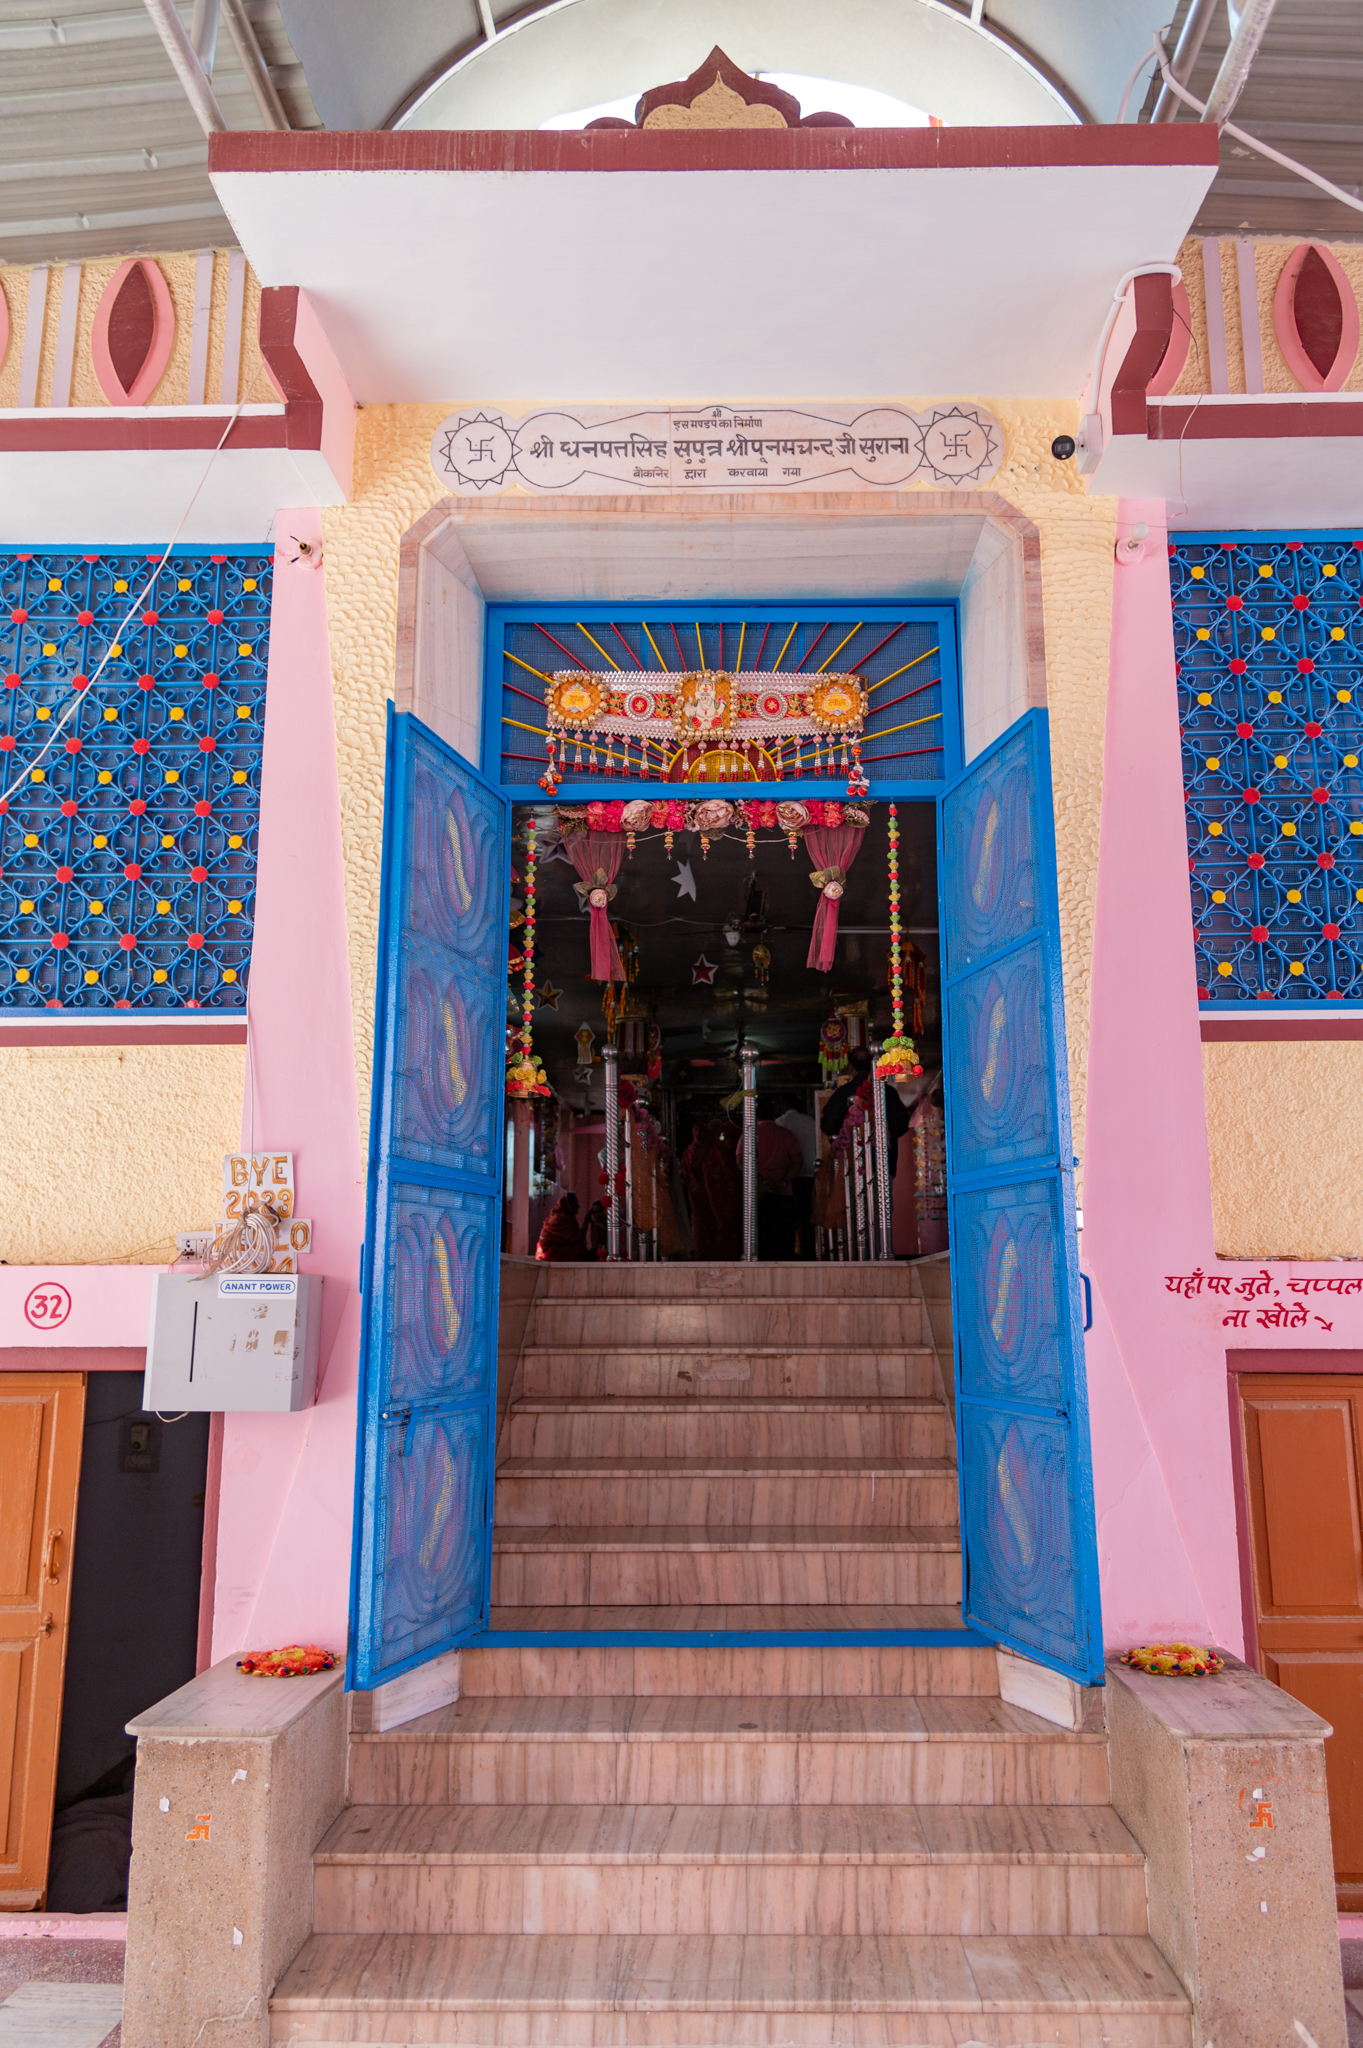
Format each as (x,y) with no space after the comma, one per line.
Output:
(422,1552)
(1027,1526)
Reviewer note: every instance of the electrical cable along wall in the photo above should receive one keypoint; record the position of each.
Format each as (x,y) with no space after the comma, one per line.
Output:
(128,843)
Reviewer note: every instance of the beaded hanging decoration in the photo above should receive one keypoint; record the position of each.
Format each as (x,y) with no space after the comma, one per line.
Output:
(898,1055)
(525,1075)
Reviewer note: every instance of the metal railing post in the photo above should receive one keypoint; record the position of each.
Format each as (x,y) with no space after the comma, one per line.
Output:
(610,1058)
(748,1057)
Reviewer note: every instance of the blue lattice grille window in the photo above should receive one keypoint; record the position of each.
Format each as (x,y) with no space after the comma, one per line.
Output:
(128,849)
(1269,638)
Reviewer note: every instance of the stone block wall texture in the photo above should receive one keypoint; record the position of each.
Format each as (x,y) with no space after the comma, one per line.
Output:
(395,484)
(1283,1131)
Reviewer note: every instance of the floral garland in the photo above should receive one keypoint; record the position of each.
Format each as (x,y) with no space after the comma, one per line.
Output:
(709,816)
(898,1054)
(1175,1660)
(296,1660)
(525,1075)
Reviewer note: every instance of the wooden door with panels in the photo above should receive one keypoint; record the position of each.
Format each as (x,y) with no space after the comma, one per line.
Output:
(1303,1453)
(41,1415)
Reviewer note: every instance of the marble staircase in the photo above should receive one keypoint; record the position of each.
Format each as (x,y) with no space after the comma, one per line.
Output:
(727,1769)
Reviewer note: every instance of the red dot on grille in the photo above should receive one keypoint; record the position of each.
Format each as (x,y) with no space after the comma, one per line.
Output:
(7,741)
(1322,796)
(1235,604)
(74,746)
(85,618)
(1329,931)
(1301,604)
(1259,934)
(1244,730)
(215,618)
(198,874)
(195,940)
(137,806)
(1306,668)
(64,874)
(1312,730)
(217,558)
(1237,668)
(1325,860)
(1256,860)
(69,809)
(80,682)
(141,746)
(151,618)
(59,939)
(210,681)
(11,682)
(133,871)
(1251,796)
(19,617)
(123,1004)
(146,682)
(203,808)
(128,941)
(1204,995)
(207,744)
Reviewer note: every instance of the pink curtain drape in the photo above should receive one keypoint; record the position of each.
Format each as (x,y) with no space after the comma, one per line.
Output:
(835,846)
(597,857)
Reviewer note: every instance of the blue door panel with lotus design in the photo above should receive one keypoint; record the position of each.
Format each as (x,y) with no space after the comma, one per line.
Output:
(1027,1523)
(423,1511)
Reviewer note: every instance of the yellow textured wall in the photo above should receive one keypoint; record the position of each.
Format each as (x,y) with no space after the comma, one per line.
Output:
(107,1151)
(1270,255)
(173,389)
(1283,1129)
(394,484)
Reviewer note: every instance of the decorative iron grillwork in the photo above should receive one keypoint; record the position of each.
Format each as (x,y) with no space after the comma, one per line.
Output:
(128,856)
(905,738)
(1269,639)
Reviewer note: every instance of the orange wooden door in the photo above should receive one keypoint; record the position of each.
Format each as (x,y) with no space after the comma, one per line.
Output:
(41,1414)
(1304,1483)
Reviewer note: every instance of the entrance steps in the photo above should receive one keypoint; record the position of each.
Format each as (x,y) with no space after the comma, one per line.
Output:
(727,1771)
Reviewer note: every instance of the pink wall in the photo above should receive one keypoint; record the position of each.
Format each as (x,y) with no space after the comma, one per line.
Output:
(1160,1416)
(283,1539)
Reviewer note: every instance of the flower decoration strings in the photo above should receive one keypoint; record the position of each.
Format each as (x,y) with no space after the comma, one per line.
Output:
(898,1055)
(1175,1660)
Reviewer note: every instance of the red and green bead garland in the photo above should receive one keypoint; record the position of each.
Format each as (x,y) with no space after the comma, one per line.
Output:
(898,1055)
(525,1076)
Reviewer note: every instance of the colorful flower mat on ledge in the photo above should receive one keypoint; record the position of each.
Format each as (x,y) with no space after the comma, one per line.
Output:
(296,1660)
(1175,1660)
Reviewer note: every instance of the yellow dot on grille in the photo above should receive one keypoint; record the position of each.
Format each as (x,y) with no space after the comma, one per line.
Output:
(234,908)
(91,976)
(30,839)
(21,974)
(184,584)
(43,711)
(243,647)
(1344,696)
(1204,696)
(54,582)
(1358,895)
(96,907)
(106,775)
(120,585)
(1295,967)
(1294,895)
(1198,573)
(229,973)
(243,711)
(26,910)
(1268,633)
(235,841)
(158,974)
(1351,760)
(37,775)
(167,839)
(1336,632)
(172,775)
(248,582)
(1204,633)
(1275,696)
(182,652)
(177,711)
(116,650)
(1225,968)
(49,647)
(1280,760)
(238,775)
(1215,831)
(1327,568)
(1265,568)
(1218,895)
(1289,831)
(163,909)
(100,840)
(1356,827)
(1213,760)
(110,713)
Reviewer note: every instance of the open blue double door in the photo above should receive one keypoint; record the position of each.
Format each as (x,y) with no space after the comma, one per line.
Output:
(423,1513)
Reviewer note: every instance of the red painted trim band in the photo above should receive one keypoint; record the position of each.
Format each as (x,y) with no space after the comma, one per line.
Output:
(1279,1030)
(717,149)
(153,430)
(229,1032)
(1283,419)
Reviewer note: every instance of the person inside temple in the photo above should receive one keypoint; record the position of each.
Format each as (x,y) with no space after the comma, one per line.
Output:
(795,1119)
(841,1100)
(780,1160)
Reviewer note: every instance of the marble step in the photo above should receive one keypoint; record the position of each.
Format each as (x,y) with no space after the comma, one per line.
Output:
(733,1991)
(717,1750)
(892,1371)
(685,1567)
(728,1870)
(728,1492)
(728,1280)
(865,1319)
(724,1426)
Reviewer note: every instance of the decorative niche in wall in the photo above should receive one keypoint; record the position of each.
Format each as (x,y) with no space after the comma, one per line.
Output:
(128,842)
(1268,634)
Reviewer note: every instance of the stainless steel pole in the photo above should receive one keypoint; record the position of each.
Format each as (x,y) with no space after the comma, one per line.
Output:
(748,1056)
(858,1246)
(610,1057)
(883,1209)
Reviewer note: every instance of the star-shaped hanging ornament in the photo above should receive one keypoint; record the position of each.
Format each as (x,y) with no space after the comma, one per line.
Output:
(703,973)
(685,880)
(549,996)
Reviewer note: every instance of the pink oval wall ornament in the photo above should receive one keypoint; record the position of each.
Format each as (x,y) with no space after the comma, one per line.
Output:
(134,332)
(1176,355)
(1315,317)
